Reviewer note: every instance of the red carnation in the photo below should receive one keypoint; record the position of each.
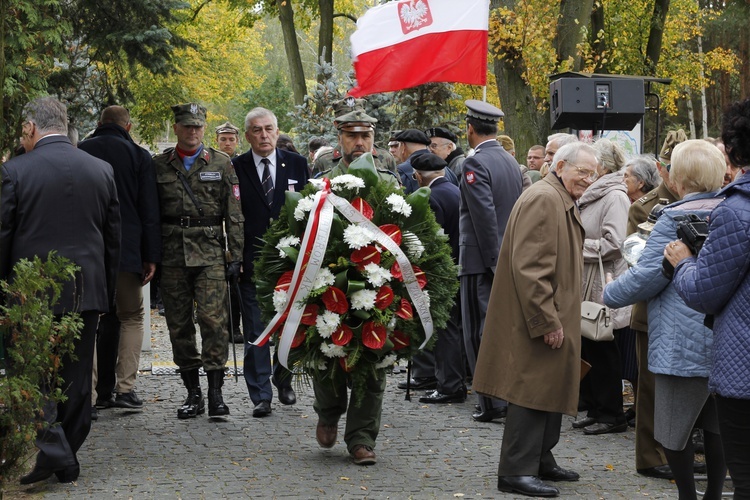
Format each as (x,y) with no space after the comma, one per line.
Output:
(400,340)
(299,337)
(404,310)
(284,281)
(310,315)
(373,335)
(384,297)
(393,231)
(363,207)
(342,335)
(365,255)
(335,300)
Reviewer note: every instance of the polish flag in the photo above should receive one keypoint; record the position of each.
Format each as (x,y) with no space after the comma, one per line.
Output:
(402,44)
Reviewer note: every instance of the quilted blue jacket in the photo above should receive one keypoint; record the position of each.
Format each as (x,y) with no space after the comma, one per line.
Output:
(678,343)
(718,283)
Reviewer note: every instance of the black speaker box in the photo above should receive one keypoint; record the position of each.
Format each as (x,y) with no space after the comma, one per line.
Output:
(596,103)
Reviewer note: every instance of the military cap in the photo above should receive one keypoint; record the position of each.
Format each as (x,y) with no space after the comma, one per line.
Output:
(674,137)
(506,142)
(441,132)
(227,128)
(428,162)
(413,135)
(350,114)
(190,114)
(483,111)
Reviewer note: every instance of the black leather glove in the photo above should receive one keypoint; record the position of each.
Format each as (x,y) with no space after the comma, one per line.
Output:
(233,272)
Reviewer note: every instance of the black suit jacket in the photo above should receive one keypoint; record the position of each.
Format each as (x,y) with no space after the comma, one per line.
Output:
(291,174)
(444,200)
(57,197)
(135,179)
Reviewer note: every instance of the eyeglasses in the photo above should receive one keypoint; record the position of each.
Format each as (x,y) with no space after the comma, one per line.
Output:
(414,176)
(584,172)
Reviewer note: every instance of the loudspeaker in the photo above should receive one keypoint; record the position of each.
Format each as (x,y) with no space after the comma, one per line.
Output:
(596,103)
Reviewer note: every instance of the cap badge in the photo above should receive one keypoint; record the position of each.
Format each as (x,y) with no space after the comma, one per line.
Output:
(193,109)
(350,101)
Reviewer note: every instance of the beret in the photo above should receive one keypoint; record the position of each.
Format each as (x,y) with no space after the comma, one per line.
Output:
(428,162)
(441,132)
(412,135)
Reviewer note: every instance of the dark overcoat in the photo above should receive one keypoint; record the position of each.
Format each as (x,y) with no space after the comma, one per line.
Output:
(537,289)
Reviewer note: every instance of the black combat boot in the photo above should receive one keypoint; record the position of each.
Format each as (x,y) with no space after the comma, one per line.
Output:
(216,406)
(194,405)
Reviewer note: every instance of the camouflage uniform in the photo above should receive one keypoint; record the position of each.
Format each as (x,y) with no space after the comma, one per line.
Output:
(327,161)
(193,266)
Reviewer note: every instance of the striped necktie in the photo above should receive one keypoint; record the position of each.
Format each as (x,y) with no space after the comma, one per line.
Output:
(267,182)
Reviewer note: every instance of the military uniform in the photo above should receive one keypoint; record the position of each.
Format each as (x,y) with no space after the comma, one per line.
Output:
(329,160)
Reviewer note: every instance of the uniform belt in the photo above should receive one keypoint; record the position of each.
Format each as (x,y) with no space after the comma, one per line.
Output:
(188,221)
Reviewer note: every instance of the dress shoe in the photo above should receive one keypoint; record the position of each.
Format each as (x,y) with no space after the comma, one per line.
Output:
(128,400)
(437,397)
(94,413)
(530,486)
(64,475)
(658,472)
(419,384)
(237,337)
(103,404)
(362,454)
(286,395)
(326,434)
(262,409)
(583,422)
(605,428)
(557,473)
(69,474)
(490,415)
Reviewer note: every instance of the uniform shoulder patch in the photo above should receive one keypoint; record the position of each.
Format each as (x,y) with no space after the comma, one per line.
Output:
(470,177)
(646,198)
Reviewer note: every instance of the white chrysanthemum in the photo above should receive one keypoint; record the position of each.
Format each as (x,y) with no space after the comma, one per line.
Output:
(324,278)
(303,206)
(332,350)
(398,204)
(376,275)
(327,323)
(346,181)
(363,299)
(357,237)
(320,364)
(279,300)
(387,361)
(391,324)
(286,241)
(414,247)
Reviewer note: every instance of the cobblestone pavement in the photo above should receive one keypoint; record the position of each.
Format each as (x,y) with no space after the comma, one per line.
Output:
(424,451)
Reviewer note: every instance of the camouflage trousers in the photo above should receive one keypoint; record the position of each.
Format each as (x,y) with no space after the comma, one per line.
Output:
(204,288)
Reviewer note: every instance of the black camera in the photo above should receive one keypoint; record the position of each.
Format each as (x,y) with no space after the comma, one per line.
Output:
(692,231)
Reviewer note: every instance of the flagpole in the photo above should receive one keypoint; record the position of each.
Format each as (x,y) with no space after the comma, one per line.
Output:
(484,93)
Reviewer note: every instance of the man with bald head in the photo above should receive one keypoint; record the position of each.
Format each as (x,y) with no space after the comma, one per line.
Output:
(120,333)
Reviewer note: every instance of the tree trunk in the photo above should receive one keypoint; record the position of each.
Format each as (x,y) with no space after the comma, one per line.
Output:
(522,121)
(599,45)
(704,107)
(690,112)
(296,71)
(573,13)
(325,34)
(655,35)
(745,69)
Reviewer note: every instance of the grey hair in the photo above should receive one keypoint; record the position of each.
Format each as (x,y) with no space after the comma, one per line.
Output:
(562,139)
(259,113)
(643,168)
(611,156)
(570,152)
(48,114)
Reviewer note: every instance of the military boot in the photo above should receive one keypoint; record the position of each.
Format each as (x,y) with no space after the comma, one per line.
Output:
(216,406)
(194,405)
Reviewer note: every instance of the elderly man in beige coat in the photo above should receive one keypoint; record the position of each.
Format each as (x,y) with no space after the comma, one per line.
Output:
(530,352)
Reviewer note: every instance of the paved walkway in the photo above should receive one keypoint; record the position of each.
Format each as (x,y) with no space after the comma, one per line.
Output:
(423,452)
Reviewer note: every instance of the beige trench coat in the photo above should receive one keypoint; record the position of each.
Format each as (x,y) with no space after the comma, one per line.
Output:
(536,290)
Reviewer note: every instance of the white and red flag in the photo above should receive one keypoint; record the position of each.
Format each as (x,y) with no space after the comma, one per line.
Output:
(402,44)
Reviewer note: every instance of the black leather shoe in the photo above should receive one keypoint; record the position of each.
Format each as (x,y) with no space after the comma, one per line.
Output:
(286,395)
(436,397)
(583,422)
(262,409)
(605,428)
(530,486)
(237,337)
(128,400)
(490,415)
(69,474)
(65,475)
(559,474)
(419,384)
(103,404)
(658,472)
(94,413)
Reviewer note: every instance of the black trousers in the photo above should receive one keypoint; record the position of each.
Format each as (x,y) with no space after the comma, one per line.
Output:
(601,389)
(58,444)
(528,440)
(734,424)
(107,348)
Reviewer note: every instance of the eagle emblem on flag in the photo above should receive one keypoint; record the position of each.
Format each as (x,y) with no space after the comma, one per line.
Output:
(414,15)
